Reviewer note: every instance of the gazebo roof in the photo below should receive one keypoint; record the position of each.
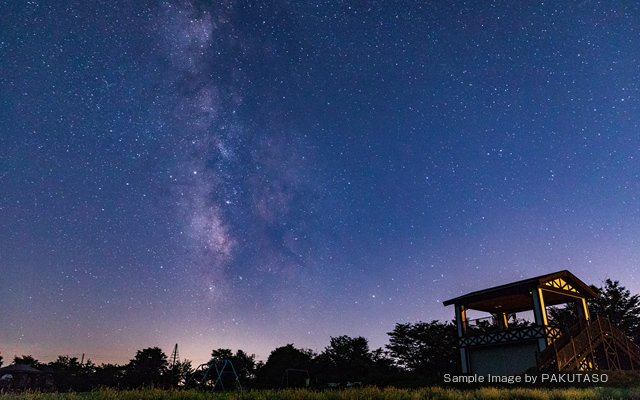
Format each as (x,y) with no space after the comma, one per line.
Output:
(516,296)
(19,369)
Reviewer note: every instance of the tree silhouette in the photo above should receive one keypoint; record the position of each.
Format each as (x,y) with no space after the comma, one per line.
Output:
(180,372)
(66,371)
(110,375)
(243,363)
(563,317)
(622,308)
(220,355)
(429,348)
(346,359)
(283,358)
(147,368)
(26,360)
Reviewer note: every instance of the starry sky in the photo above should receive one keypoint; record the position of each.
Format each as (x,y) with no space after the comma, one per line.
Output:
(248,174)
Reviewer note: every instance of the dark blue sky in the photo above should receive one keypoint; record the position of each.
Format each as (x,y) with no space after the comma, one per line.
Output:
(251,174)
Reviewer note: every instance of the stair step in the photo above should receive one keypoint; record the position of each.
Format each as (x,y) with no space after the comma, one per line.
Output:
(589,338)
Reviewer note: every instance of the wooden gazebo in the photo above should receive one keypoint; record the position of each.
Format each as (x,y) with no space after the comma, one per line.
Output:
(499,348)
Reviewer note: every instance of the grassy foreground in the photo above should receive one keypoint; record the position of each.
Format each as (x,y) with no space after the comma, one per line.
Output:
(367,393)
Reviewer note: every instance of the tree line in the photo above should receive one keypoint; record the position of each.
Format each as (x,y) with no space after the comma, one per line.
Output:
(417,354)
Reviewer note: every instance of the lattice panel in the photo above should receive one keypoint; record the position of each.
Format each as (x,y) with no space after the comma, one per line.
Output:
(528,333)
(561,284)
(588,363)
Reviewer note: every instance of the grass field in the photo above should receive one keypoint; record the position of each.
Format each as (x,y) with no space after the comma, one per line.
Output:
(367,393)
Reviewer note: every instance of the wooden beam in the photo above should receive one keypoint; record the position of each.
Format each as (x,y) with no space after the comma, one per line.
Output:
(461,319)
(561,292)
(587,316)
(540,314)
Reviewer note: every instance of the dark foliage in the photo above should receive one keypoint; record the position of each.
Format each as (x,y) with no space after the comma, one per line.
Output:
(70,375)
(27,360)
(179,373)
(282,359)
(147,368)
(563,317)
(243,364)
(622,308)
(345,360)
(429,348)
(110,375)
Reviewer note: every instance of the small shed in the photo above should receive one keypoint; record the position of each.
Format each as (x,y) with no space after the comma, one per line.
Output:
(499,344)
(20,377)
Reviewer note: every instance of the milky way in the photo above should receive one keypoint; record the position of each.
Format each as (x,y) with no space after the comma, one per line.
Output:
(241,187)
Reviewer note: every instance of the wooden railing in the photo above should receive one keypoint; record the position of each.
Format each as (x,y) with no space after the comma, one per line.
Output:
(510,335)
(568,351)
(491,324)
(632,349)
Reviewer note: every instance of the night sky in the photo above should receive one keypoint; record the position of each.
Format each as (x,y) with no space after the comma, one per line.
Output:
(246,174)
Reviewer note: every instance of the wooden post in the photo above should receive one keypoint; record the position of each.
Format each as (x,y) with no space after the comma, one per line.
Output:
(461,321)
(540,314)
(502,321)
(583,310)
(591,353)
(626,342)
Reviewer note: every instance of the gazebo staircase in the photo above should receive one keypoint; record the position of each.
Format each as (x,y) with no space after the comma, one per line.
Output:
(590,346)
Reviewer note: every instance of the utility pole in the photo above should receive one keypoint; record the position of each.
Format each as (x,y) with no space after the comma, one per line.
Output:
(175,358)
